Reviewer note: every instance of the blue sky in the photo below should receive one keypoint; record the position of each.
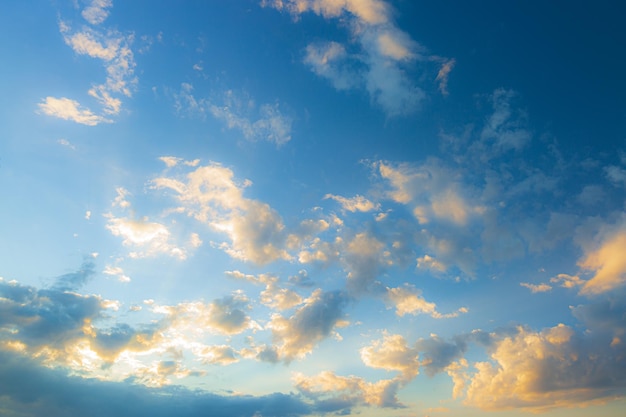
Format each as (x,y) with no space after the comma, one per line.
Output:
(312,207)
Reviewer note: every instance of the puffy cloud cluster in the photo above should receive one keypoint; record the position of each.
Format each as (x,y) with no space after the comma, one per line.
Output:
(256,231)
(314,321)
(552,368)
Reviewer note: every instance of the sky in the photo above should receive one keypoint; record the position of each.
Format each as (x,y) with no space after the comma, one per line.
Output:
(286,208)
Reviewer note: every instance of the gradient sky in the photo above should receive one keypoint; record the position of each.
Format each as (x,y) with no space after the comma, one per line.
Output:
(272,208)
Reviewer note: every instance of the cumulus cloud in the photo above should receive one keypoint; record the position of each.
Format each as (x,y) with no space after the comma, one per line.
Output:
(273,295)
(148,238)
(392,354)
(67,109)
(334,393)
(552,368)
(297,336)
(213,196)
(384,53)
(113,49)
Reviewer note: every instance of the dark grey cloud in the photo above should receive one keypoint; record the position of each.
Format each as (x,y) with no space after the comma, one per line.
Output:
(37,391)
(74,280)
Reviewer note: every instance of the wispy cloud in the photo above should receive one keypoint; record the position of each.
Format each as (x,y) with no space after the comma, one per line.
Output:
(385,53)
(113,49)
(97,11)
(265,122)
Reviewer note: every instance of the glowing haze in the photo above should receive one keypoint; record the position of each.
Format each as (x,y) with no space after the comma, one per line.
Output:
(273,208)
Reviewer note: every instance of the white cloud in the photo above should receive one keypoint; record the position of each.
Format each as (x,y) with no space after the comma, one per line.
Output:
(544,370)
(337,393)
(607,262)
(408,300)
(113,49)
(356,203)
(97,12)
(67,109)
(255,230)
(535,288)
(150,238)
(66,143)
(430,263)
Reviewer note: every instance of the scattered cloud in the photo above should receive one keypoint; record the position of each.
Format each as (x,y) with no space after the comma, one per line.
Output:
(97,11)
(313,322)
(67,109)
(356,203)
(113,49)
(408,300)
(383,58)
(392,354)
(535,288)
(333,393)
(265,122)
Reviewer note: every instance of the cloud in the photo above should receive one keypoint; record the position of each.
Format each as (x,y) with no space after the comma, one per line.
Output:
(219,355)
(150,238)
(408,300)
(273,295)
(97,12)
(442,75)
(383,53)
(552,368)
(616,175)
(330,60)
(535,288)
(37,390)
(333,393)
(313,322)
(433,190)
(606,261)
(365,261)
(256,231)
(67,109)
(505,129)
(226,315)
(265,122)
(392,354)
(113,49)
(356,203)
(116,271)
(75,280)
